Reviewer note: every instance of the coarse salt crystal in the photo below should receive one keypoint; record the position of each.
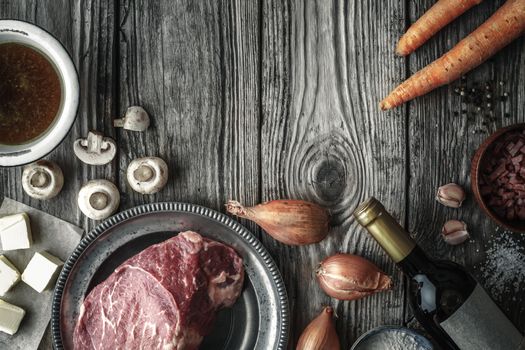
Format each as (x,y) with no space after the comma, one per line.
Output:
(503,270)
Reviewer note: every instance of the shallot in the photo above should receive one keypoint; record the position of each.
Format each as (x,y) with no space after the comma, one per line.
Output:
(350,277)
(320,334)
(293,222)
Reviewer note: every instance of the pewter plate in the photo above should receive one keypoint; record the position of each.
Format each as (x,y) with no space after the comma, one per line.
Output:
(417,340)
(258,320)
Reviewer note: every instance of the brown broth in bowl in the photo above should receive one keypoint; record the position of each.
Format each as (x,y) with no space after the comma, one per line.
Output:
(30,93)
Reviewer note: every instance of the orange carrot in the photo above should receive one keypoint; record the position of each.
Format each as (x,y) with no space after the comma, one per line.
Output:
(442,13)
(505,25)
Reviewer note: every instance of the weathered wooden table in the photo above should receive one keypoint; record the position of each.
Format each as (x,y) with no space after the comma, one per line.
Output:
(261,99)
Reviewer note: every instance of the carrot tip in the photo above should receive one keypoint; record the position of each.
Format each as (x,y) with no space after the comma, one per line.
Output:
(384,105)
(402,52)
(401,48)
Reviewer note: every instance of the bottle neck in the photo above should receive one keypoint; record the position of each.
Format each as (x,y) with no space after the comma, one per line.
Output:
(412,264)
(393,238)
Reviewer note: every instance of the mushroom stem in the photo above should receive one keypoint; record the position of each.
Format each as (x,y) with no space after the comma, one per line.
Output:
(144,173)
(95,149)
(39,179)
(99,200)
(135,119)
(147,175)
(118,123)
(94,142)
(42,179)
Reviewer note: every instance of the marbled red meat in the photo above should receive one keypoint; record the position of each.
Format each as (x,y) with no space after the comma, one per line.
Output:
(162,298)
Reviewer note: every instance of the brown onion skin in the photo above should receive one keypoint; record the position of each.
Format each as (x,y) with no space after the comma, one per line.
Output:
(292,222)
(320,334)
(351,277)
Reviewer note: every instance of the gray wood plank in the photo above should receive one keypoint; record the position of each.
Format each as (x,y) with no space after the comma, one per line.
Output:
(87,31)
(256,100)
(324,65)
(194,67)
(441,145)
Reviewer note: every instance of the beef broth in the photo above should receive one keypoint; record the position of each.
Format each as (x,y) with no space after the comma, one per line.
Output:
(30,93)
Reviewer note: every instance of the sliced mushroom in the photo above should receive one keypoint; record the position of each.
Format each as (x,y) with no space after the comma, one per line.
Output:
(147,175)
(95,149)
(135,119)
(43,179)
(98,199)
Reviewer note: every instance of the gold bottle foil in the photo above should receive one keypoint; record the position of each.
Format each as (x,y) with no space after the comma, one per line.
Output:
(385,229)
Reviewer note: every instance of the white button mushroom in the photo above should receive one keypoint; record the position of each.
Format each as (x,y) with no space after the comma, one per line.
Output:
(147,175)
(95,149)
(98,199)
(135,119)
(43,179)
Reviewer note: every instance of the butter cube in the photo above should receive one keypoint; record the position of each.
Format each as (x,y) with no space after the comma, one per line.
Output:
(42,271)
(9,275)
(10,317)
(15,232)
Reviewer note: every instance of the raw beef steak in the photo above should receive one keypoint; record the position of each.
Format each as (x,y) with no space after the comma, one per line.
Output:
(162,298)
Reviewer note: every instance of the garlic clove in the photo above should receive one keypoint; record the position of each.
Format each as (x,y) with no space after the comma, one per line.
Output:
(451,195)
(293,222)
(351,277)
(455,232)
(320,334)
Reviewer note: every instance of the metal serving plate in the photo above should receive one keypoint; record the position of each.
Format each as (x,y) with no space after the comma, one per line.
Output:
(258,320)
(420,342)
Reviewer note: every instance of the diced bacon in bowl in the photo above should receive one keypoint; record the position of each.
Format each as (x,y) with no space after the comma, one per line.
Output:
(502,176)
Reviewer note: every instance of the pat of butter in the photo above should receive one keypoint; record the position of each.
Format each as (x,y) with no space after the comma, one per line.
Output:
(42,271)
(15,232)
(10,317)
(9,275)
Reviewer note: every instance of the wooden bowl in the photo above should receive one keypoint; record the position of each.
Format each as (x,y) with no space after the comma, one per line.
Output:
(477,161)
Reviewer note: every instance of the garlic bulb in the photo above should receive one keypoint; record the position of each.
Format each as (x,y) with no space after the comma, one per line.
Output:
(350,277)
(320,334)
(293,222)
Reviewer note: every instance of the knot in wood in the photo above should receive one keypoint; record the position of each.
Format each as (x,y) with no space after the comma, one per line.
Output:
(329,181)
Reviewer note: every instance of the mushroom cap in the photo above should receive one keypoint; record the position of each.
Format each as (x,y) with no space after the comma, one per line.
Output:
(95,149)
(43,179)
(98,199)
(135,119)
(147,175)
